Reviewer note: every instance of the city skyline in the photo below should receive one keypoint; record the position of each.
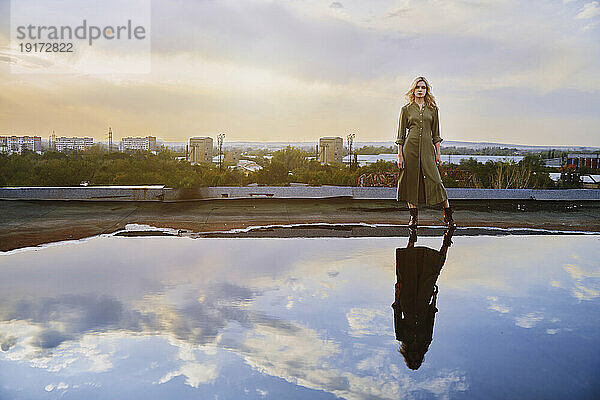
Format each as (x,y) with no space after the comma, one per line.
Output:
(264,71)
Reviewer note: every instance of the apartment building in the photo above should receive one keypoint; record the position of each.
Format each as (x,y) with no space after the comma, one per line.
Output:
(331,150)
(16,144)
(201,149)
(66,144)
(147,143)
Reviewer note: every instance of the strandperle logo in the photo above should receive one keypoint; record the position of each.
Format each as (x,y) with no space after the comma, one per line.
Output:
(81,37)
(81,32)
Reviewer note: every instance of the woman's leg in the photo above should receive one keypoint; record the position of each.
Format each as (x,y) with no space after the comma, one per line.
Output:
(414,216)
(412,224)
(448,215)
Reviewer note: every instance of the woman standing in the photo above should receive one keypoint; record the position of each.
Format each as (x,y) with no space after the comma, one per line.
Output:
(419,154)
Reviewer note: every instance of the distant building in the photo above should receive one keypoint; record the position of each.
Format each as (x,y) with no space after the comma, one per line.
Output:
(331,150)
(553,162)
(147,143)
(201,149)
(583,160)
(16,144)
(231,157)
(248,166)
(73,143)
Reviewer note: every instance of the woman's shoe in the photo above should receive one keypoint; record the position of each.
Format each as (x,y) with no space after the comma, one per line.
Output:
(414,218)
(448,218)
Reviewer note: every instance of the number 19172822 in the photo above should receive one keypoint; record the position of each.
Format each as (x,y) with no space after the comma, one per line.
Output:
(46,47)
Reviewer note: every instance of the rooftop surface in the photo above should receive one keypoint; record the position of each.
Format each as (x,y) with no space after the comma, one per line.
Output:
(32,223)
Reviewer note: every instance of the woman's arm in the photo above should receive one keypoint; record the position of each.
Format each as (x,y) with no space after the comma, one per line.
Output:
(435,135)
(402,124)
(399,321)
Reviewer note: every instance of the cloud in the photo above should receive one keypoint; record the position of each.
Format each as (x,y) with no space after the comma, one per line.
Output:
(336,4)
(68,317)
(586,279)
(496,306)
(366,321)
(59,386)
(7,341)
(82,354)
(333,50)
(589,10)
(582,292)
(65,331)
(195,374)
(49,339)
(529,320)
(308,360)
(329,50)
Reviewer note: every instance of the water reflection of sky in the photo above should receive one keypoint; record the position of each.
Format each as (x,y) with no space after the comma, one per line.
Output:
(298,318)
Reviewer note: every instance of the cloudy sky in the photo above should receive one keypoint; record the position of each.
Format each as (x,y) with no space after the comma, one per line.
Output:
(293,70)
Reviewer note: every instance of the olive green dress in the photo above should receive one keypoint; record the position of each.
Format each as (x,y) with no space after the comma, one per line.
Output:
(417,271)
(418,131)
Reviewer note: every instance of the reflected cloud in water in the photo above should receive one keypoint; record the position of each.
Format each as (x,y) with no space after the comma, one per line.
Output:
(303,318)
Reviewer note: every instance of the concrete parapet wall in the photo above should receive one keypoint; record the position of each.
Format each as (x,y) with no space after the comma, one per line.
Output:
(160,193)
(106,193)
(523,194)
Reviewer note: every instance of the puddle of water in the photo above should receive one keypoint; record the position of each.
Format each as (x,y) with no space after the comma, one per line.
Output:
(116,317)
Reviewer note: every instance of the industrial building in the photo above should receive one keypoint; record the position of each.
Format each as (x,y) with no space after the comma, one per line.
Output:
(201,149)
(331,150)
(147,143)
(72,143)
(16,144)
(583,160)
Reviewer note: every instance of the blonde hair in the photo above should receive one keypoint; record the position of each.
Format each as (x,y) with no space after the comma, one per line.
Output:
(429,98)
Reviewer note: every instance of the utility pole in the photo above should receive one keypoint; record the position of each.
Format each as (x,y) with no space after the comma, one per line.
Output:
(220,138)
(350,140)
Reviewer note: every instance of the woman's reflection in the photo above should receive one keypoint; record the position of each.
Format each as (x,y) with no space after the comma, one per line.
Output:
(417,270)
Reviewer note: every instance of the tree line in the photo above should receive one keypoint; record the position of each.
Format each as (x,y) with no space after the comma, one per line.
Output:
(96,166)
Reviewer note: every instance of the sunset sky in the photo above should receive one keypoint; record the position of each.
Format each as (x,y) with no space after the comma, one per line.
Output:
(507,71)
